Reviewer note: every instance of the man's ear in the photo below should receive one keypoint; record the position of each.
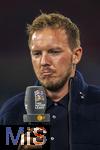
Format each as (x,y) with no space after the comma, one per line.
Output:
(77,54)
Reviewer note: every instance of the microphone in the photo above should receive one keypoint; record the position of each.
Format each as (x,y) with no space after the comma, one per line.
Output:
(35,105)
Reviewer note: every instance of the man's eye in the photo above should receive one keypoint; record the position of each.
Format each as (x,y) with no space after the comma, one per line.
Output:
(55,52)
(35,53)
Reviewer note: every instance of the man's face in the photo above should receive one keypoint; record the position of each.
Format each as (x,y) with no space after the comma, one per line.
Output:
(51,57)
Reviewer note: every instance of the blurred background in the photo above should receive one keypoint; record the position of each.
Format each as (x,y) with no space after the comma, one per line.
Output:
(16,71)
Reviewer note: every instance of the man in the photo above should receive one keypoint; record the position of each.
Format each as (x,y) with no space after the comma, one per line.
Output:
(74,106)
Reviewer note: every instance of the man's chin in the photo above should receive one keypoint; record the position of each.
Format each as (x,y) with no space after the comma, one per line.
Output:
(51,86)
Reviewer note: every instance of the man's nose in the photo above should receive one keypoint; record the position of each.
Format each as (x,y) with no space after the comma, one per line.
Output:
(45,60)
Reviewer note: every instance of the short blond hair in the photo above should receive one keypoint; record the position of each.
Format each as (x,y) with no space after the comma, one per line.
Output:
(56,20)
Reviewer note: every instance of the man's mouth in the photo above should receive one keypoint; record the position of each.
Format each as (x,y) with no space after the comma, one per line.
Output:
(46,72)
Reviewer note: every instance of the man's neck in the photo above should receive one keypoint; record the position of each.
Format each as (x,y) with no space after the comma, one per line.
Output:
(58,95)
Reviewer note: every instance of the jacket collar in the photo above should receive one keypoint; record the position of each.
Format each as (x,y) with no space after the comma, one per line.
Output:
(79,87)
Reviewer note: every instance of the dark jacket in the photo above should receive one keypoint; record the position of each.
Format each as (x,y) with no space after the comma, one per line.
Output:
(85,114)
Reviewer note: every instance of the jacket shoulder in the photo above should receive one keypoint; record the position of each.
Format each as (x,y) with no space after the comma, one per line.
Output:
(12,102)
(94,92)
(12,107)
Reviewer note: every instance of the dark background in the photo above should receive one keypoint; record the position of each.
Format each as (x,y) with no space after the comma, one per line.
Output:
(15,65)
